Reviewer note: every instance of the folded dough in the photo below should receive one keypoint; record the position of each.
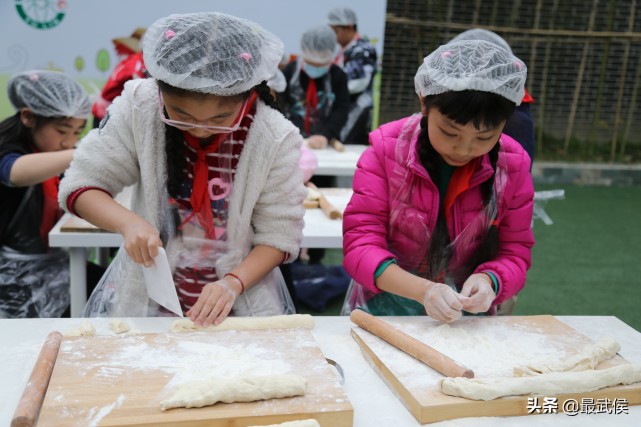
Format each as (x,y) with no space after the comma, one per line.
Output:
(545,384)
(588,358)
(197,394)
(249,323)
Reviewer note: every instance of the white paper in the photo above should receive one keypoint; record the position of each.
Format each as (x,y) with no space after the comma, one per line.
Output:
(160,283)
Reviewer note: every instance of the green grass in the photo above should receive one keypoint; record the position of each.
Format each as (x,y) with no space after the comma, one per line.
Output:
(587,263)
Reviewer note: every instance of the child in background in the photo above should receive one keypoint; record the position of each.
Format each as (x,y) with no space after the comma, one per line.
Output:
(214,168)
(36,146)
(131,66)
(520,125)
(316,99)
(440,218)
(357,57)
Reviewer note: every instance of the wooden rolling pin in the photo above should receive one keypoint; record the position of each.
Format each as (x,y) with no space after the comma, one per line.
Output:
(338,146)
(34,392)
(415,348)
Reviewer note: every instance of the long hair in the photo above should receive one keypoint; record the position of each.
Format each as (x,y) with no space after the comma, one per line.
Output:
(12,129)
(463,107)
(174,138)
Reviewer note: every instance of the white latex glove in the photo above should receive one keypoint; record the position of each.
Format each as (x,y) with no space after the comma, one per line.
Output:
(443,303)
(215,302)
(480,290)
(317,141)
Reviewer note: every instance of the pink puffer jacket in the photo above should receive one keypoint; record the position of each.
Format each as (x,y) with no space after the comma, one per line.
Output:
(395,204)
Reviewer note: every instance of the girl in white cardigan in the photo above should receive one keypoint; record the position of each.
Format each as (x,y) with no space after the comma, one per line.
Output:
(214,170)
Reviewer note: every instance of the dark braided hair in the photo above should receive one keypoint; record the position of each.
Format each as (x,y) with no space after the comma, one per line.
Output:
(463,107)
(174,146)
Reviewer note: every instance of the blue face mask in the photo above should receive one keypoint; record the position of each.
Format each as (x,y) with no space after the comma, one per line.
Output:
(315,72)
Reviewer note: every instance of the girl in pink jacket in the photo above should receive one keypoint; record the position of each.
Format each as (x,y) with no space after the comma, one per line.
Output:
(440,218)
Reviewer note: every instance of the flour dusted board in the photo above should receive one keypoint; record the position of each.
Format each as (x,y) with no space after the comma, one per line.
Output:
(491,347)
(120,380)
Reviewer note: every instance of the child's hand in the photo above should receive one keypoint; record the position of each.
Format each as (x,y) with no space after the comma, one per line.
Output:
(442,303)
(317,141)
(215,302)
(478,287)
(141,242)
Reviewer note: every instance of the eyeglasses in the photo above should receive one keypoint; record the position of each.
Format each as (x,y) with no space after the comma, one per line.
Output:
(187,126)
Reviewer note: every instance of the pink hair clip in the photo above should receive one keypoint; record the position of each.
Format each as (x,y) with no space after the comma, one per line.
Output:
(519,65)
(446,54)
(246,56)
(169,34)
(34,77)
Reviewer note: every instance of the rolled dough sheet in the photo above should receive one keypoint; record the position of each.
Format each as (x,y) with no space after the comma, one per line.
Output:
(249,323)
(588,358)
(298,423)
(545,384)
(239,389)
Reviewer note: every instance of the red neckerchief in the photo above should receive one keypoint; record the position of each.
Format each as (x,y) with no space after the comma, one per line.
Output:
(50,209)
(527,98)
(199,199)
(312,104)
(459,182)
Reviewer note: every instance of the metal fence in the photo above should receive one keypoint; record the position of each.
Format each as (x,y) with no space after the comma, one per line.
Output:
(583,58)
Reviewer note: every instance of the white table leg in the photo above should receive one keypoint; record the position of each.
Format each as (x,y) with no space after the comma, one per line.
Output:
(78,280)
(102,256)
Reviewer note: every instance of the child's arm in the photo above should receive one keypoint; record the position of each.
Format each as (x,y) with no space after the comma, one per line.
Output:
(216,300)
(35,168)
(141,238)
(516,239)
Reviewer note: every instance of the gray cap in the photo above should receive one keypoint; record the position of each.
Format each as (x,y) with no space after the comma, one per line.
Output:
(211,52)
(48,94)
(341,16)
(319,44)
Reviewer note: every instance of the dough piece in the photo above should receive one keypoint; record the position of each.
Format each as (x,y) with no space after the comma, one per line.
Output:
(544,384)
(248,388)
(247,323)
(299,423)
(118,326)
(86,329)
(588,358)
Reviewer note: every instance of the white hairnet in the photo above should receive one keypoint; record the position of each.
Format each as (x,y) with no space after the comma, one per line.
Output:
(48,94)
(472,65)
(341,16)
(277,82)
(319,44)
(210,52)
(481,34)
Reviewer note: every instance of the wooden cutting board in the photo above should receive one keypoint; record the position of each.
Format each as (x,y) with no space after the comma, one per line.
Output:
(490,346)
(121,380)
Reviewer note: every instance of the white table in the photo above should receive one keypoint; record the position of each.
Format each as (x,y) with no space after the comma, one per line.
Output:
(319,232)
(374,403)
(332,162)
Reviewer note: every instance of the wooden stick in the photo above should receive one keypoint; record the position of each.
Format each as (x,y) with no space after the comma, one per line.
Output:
(34,392)
(338,146)
(330,210)
(415,348)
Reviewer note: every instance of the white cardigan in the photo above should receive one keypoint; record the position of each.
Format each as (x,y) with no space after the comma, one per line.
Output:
(266,205)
